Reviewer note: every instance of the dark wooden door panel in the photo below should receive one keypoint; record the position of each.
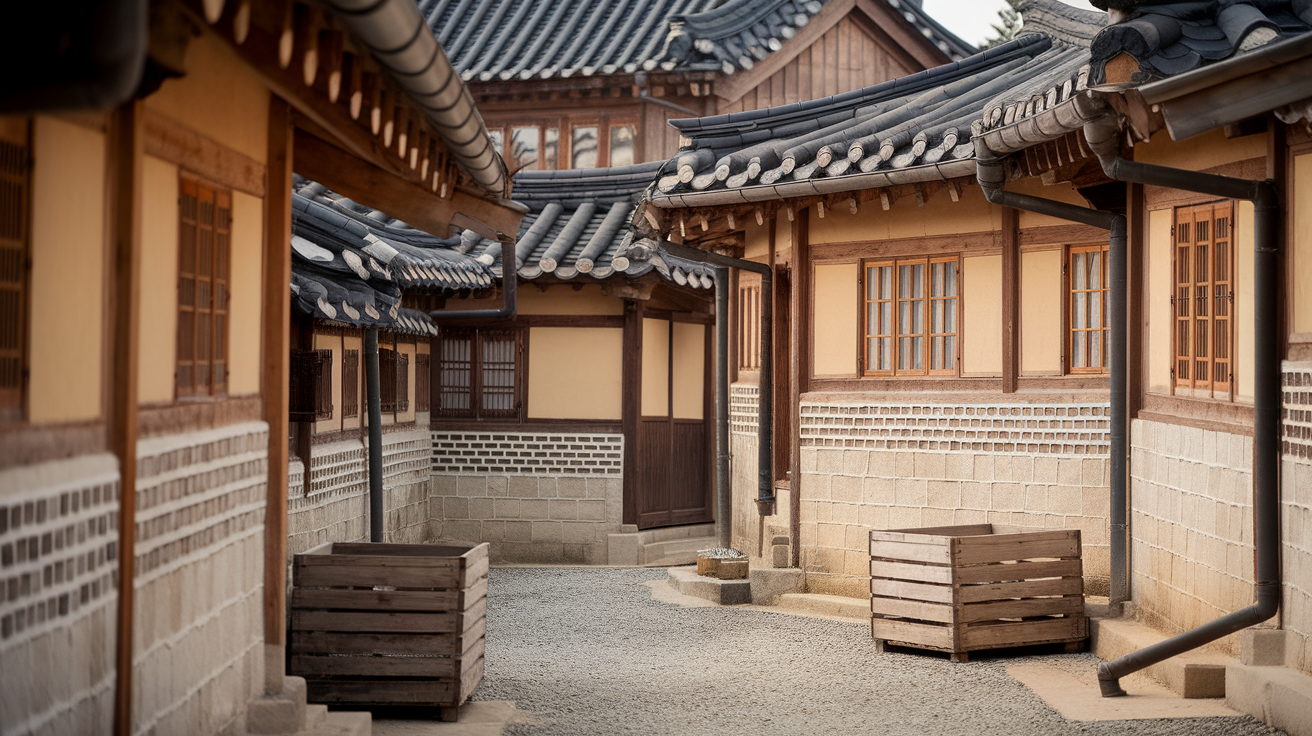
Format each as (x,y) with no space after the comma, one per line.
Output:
(653,473)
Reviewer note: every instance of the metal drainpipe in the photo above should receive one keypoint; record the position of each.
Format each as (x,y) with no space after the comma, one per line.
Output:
(1104,137)
(723,494)
(991,177)
(508,303)
(765,500)
(373,396)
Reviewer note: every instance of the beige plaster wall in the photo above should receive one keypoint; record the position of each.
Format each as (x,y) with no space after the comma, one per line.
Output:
(655,367)
(333,343)
(1041,312)
(563,299)
(1035,187)
(244,310)
(575,372)
(157,353)
(981,292)
(1161,318)
(1243,313)
(220,97)
(756,240)
(835,320)
(1300,209)
(1200,152)
(68,273)
(689,370)
(939,216)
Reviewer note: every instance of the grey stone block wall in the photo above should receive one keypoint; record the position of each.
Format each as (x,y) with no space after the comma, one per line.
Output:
(1296,514)
(58,567)
(198,626)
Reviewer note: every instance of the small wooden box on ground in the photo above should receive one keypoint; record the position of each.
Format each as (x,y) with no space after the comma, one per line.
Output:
(960,589)
(390,624)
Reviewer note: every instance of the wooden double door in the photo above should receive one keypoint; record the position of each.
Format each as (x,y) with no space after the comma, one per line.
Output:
(673,484)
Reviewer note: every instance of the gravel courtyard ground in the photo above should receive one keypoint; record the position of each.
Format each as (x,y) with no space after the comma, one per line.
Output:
(587,651)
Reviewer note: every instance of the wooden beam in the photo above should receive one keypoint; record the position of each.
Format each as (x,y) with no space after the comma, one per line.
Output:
(800,366)
(175,142)
(365,183)
(631,405)
(126,152)
(276,373)
(1010,299)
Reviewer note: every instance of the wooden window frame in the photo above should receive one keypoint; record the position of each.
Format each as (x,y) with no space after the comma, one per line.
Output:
(476,412)
(217,291)
(423,382)
(564,125)
(621,122)
(1190,295)
(894,302)
(350,383)
(749,323)
(15,266)
(1068,349)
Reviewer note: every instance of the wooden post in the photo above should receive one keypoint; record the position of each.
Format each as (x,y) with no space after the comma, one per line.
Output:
(126,149)
(1010,299)
(800,340)
(631,404)
(276,360)
(1136,272)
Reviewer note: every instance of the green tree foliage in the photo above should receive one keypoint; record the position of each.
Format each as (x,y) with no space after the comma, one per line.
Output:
(1008,25)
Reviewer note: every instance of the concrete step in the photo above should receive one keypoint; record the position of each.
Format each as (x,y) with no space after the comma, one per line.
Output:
(826,605)
(315,716)
(280,714)
(342,723)
(1279,696)
(675,551)
(1195,674)
(725,592)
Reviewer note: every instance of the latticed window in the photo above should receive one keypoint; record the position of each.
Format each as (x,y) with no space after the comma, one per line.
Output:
(311,385)
(387,388)
(14,194)
(204,256)
(1089,323)
(749,322)
(350,383)
(911,317)
(479,374)
(1203,298)
(423,380)
(402,382)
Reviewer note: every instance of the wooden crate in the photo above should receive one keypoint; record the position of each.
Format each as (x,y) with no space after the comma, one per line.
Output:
(960,589)
(390,624)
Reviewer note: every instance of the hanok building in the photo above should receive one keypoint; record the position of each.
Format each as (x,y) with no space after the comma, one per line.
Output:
(951,357)
(145,262)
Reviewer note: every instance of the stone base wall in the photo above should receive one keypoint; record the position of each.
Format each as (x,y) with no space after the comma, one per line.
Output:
(58,596)
(537,498)
(198,654)
(1296,513)
(898,466)
(1191,525)
(752,533)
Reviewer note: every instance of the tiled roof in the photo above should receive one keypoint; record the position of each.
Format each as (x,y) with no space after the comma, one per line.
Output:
(1062,22)
(916,128)
(578,225)
(528,39)
(351,262)
(1169,38)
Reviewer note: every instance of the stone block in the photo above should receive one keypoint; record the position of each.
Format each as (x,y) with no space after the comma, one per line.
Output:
(548,487)
(872,517)
(547,531)
(878,491)
(960,466)
(1280,697)
(930,465)
(534,508)
(1070,471)
(1064,499)
(562,509)
(843,513)
(831,535)
(482,508)
(944,494)
(911,491)
(622,549)
(498,486)
(572,487)
(903,517)
(522,486)
(471,486)
(1263,647)
(809,455)
(579,532)
(518,531)
(595,510)
(1007,497)
(829,461)
(845,488)
(506,508)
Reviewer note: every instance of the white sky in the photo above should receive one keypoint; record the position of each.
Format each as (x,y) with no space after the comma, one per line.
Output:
(973,19)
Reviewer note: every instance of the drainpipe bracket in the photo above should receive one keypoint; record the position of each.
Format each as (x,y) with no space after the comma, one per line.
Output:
(765,506)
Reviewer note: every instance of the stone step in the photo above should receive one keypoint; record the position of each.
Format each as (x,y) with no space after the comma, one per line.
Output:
(315,716)
(1279,696)
(725,592)
(1194,674)
(342,723)
(675,551)
(857,609)
(281,714)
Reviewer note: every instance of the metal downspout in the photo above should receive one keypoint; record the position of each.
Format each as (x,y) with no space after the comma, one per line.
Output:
(992,177)
(765,500)
(1104,137)
(723,493)
(507,310)
(373,396)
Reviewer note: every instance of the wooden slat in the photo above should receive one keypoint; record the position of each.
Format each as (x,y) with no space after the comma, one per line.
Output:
(913,591)
(903,608)
(991,610)
(332,642)
(1021,589)
(454,601)
(379,621)
(1002,548)
(907,535)
(389,692)
(911,551)
(1017,571)
(370,549)
(397,572)
(1023,633)
(469,678)
(475,571)
(905,571)
(928,635)
(306,665)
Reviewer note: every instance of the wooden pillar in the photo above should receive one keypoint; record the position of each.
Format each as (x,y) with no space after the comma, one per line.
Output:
(799,368)
(1010,299)
(125,162)
(1136,350)
(276,372)
(631,404)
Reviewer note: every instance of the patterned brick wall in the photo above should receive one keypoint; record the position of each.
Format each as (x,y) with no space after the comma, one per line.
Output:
(1296,511)
(744,404)
(58,571)
(1191,522)
(1074,429)
(198,647)
(527,453)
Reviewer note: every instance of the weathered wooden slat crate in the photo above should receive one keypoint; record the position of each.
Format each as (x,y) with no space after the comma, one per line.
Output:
(960,589)
(390,624)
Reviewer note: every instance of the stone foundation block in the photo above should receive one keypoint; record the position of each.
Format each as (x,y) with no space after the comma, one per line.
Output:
(1263,647)
(1277,696)
(280,714)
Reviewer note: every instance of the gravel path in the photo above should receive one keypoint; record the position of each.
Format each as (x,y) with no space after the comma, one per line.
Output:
(587,651)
